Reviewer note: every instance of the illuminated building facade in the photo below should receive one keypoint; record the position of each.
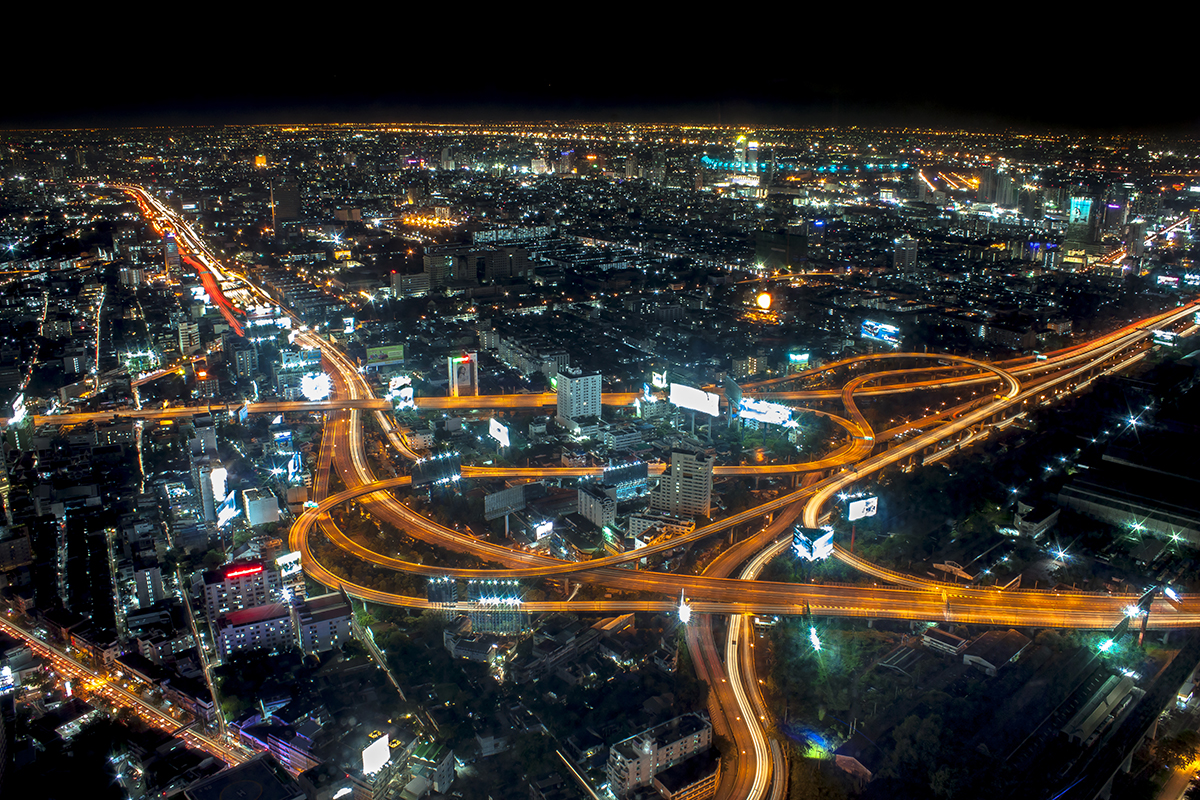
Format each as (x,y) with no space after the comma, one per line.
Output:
(686,488)
(578,394)
(243,584)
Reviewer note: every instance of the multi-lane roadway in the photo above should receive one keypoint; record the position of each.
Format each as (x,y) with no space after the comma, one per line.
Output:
(1011,388)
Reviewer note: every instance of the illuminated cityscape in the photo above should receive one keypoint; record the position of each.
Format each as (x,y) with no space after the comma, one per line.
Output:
(562,456)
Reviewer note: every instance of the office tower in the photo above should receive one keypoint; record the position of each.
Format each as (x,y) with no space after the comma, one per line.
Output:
(245,358)
(1135,239)
(189,338)
(686,487)
(904,254)
(578,394)
(285,203)
(171,260)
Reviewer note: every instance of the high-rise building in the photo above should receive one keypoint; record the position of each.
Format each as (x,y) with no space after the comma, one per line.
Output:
(635,761)
(322,623)
(578,394)
(171,259)
(131,276)
(189,338)
(261,507)
(685,488)
(245,359)
(266,627)
(243,584)
(285,203)
(1135,239)
(904,254)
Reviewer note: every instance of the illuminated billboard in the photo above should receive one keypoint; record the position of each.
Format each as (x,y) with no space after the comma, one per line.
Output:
(316,386)
(881,332)
(863,507)
(498,431)
(375,755)
(288,564)
(1081,209)
(659,379)
(798,359)
(227,510)
(400,392)
(218,477)
(543,530)
(1191,278)
(695,399)
(387,354)
(1168,280)
(812,544)
(1164,337)
(770,413)
(347,324)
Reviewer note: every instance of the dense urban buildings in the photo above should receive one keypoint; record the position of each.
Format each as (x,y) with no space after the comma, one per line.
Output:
(312,432)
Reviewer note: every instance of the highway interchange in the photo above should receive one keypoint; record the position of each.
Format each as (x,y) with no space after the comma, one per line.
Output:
(736,706)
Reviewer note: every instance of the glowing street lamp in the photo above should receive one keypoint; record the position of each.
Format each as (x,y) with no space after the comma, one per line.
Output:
(685,611)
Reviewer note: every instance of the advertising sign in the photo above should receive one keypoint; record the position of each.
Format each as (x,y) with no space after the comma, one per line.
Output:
(770,413)
(812,544)
(695,399)
(288,564)
(375,755)
(386,354)
(881,332)
(498,431)
(863,507)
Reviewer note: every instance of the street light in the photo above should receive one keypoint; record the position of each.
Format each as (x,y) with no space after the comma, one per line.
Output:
(685,611)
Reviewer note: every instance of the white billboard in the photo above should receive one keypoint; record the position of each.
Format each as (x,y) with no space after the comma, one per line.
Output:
(498,431)
(863,507)
(316,386)
(375,755)
(543,530)
(695,399)
(770,413)
(288,564)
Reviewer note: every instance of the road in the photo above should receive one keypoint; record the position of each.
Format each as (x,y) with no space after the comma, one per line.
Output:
(112,690)
(1023,384)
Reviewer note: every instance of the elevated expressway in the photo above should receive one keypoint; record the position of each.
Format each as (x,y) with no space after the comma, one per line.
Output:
(736,703)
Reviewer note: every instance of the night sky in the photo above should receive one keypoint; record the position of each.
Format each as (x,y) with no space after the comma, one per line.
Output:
(736,65)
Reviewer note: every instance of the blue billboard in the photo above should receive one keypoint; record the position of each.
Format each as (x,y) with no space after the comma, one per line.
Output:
(881,332)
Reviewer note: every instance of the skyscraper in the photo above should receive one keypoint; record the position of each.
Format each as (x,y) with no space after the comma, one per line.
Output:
(171,260)
(904,254)
(686,488)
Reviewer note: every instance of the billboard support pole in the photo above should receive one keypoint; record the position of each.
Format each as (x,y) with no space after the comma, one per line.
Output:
(853,528)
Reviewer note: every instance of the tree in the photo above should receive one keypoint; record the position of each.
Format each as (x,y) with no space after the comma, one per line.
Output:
(1179,750)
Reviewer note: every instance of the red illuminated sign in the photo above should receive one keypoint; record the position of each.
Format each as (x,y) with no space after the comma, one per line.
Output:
(237,573)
